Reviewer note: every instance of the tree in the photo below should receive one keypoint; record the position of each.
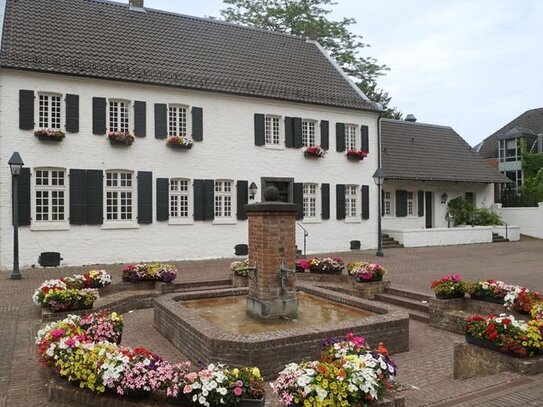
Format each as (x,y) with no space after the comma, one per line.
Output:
(308,18)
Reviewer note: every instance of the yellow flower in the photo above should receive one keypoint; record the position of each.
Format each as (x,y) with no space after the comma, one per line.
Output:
(235,372)
(256,372)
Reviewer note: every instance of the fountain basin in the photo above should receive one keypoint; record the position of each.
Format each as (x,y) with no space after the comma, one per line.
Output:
(270,347)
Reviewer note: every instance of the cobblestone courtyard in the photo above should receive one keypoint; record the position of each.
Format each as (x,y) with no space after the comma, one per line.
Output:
(425,372)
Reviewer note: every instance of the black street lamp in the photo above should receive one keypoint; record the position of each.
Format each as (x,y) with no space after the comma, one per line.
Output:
(15,165)
(379,178)
(252,190)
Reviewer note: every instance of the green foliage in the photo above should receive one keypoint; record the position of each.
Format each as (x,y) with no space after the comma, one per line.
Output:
(464,213)
(485,217)
(309,18)
(532,189)
(531,164)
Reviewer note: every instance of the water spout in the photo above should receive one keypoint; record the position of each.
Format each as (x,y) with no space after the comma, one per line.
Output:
(284,272)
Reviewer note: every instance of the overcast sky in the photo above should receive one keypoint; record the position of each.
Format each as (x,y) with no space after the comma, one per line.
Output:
(473,65)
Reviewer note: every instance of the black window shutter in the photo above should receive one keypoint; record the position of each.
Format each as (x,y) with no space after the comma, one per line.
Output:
(209,199)
(242,199)
(78,197)
(340,137)
(298,199)
(161,120)
(98,115)
(289,132)
(365,202)
(340,201)
(325,201)
(364,137)
(420,203)
(72,113)
(325,135)
(199,199)
(197,124)
(162,199)
(145,197)
(259,129)
(23,197)
(95,200)
(401,203)
(26,109)
(297,128)
(140,118)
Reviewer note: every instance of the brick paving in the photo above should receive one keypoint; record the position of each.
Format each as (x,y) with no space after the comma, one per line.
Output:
(425,371)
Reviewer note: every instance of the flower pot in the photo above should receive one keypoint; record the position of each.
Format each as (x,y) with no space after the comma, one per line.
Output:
(483,343)
(371,280)
(448,296)
(252,402)
(487,298)
(114,142)
(47,138)
(179,146)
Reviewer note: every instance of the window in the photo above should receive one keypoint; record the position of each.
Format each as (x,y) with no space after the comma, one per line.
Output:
(49,111)
(308,133)
(310,201)
(119,196)
(223,199)
(387,203)
(50,196)
(350,201)
(272,130)
(410,204)
(350,137)
(118,116)
(179,199)
(516,177)
(509,150)
(177,120)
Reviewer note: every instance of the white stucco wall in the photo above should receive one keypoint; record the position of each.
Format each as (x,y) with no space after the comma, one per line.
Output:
(441,236)
(484,196)
(530,220)
(227,152)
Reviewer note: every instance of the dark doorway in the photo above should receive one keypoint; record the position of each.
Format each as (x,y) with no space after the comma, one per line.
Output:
(429,209)
(284,185)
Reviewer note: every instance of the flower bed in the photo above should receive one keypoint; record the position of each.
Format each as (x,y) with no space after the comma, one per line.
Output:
(348,373)
(522,300)
(149,272)
(489,290)
(70,299)
(120,138)
(450,286)
(356,155)
(179,142)
(49,134)
(363,272)
(315,152)
(325,265)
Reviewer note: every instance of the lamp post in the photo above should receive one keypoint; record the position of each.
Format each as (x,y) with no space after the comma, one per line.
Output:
(379,178)
(15,165)
(252,190)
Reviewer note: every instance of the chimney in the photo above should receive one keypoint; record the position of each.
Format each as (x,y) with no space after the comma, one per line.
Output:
(410,118)
(136,3)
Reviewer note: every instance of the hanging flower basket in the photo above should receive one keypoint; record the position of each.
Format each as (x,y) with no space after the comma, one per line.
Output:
(120,138)
(314,152)
(49,134)
(356,155)
(179,142)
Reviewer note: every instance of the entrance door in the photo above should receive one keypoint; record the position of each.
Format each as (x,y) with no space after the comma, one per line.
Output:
(429,199)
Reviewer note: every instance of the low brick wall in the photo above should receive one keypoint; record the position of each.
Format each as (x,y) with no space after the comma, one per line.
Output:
(323,277)
(200,340)
(475,361)
(370,289)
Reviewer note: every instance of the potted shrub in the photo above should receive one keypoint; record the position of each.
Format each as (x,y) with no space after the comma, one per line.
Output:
(70,299)
(179,142)
(326,265)
(314,152)
(363,272)
(240,273)
(489,290)
(124,138)
(450,286)
(49,134)
(356,155)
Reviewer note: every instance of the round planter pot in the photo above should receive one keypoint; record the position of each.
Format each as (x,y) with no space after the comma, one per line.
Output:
(449,296)
(487,298)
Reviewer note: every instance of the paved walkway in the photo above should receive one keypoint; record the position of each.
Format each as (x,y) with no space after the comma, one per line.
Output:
(425,371)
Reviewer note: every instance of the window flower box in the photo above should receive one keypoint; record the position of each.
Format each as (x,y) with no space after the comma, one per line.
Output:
(49,134)
(487,298)
(179,142)
(120,138)
(314,152)
(356,155)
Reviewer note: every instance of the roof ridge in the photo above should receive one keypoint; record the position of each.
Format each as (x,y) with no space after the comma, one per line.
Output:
(441,126)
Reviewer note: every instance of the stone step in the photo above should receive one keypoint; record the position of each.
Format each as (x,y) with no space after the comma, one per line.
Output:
(400,292)
(409,303)
(419,316)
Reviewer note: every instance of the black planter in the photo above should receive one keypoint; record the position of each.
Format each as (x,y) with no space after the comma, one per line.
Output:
(487,298)
(371,280)
(309,155)
(184,400)
(179,146)
(317,271)
(449,296)
(114,142)
(354,158)
(47,138)
(138,394)
(483,343)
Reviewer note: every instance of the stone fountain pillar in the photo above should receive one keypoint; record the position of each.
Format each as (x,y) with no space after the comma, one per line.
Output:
(272,245)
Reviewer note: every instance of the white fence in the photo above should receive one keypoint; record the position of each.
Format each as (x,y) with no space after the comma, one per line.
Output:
(530,220)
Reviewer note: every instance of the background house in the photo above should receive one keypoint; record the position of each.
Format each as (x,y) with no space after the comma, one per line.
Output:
(250,100)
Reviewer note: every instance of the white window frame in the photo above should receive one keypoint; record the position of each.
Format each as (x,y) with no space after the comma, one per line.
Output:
(230,219)
(352,194)
(308,197)
(280,144)
(188,123)
(50,224)
(305,128)
(49,95)
(390,201)
(351,137)
(411,204)
(121,223)
(180,220)
(117,126)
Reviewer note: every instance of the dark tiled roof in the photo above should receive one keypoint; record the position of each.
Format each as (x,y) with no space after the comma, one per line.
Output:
(531,120)
(108,40)
(418,151)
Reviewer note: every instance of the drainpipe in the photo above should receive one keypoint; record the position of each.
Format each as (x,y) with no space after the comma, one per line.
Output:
(379,211)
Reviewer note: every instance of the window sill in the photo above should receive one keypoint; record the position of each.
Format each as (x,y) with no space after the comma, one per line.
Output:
(49,226)
(353,220)
(311,220)
(180,222)
(226,221)
(274,147)
(120,225)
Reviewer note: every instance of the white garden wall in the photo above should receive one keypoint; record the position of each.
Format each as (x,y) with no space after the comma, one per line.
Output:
(227,152)
(441,236)
(511,232)
(530,220)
